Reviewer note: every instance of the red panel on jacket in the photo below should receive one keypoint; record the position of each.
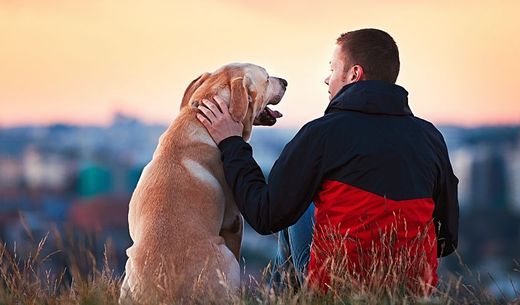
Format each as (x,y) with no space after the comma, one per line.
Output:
(363,238)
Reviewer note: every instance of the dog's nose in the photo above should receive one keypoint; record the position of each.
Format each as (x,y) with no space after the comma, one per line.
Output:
(284,82)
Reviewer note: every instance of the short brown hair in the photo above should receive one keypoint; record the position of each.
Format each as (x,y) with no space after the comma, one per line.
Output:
(374,50)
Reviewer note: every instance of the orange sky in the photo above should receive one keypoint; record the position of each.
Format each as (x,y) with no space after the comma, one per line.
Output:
(79,61)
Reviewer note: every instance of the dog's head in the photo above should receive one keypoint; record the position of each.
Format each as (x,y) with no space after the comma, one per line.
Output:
(247,89)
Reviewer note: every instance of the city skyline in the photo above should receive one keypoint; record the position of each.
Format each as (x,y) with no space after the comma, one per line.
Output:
(79,63)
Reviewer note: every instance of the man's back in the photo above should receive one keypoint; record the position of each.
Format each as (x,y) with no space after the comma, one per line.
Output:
(382,174)
(392,155)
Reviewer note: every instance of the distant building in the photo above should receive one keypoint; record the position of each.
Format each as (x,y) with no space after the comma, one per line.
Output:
(462,160)
(46,171)
(99,213)
(513,160)
(488,180)
(11,172)
(94,180)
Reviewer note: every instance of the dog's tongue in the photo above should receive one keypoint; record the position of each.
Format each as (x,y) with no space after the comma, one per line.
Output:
(274,113)
(267,117)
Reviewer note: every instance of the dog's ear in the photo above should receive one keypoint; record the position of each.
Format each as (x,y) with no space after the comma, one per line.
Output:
(239,99)
(192,87)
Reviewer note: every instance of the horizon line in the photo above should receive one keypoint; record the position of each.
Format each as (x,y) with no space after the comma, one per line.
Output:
(280,125)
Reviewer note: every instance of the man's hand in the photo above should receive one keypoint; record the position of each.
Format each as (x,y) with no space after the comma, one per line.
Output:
(219,124)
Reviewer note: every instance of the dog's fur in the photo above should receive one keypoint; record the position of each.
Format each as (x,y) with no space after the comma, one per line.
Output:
(183,219)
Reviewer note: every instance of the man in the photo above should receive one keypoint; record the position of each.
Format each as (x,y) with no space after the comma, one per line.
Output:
(383,188)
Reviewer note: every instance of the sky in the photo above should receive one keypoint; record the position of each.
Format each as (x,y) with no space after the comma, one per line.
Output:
(79,62)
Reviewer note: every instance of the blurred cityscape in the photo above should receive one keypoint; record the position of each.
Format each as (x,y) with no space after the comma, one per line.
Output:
(76,181)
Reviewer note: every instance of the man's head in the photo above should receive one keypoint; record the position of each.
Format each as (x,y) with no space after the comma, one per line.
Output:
(367,54)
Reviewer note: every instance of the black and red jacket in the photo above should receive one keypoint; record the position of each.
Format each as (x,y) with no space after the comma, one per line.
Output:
(369,165)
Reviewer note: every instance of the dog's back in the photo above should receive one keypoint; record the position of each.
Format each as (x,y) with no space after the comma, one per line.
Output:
(175,217)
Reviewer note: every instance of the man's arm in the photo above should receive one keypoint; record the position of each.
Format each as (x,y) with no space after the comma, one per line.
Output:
(446,213)
(293,181)
(294,178)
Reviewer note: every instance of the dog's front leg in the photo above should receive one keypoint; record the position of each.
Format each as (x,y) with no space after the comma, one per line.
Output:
(232,231)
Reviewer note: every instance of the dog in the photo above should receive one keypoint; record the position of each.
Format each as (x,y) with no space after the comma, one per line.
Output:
(183,221)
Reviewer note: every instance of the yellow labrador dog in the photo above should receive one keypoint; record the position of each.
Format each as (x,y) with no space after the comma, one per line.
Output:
(183,219)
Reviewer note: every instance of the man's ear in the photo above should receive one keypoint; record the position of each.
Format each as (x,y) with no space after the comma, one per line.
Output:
(238,101)
(356,73)
(192,87)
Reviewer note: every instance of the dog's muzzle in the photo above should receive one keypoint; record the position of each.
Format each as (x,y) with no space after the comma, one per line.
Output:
(268,116)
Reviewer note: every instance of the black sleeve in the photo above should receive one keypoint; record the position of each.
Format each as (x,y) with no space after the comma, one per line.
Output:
(293,181)
(446,213)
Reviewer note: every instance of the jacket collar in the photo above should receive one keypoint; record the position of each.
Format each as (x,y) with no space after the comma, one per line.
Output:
(373,97)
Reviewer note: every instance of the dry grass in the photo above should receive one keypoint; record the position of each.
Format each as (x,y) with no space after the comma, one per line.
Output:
(32,280)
